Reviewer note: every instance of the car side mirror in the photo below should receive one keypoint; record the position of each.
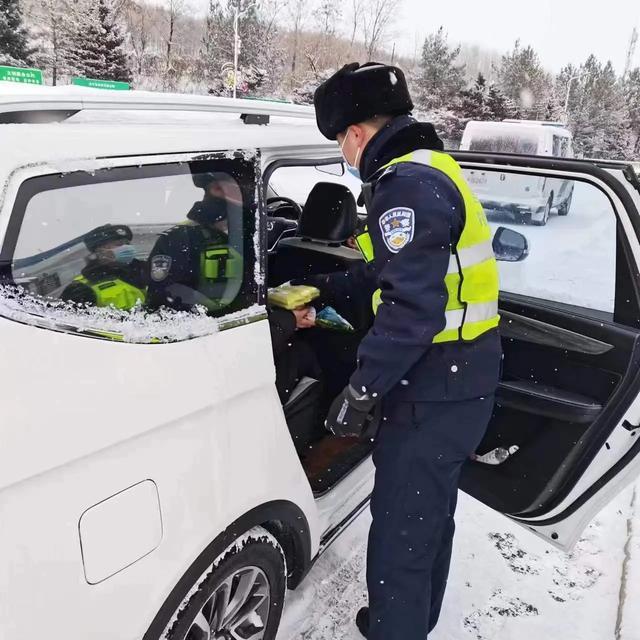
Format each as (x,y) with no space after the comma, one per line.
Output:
(335,169)
(509,245)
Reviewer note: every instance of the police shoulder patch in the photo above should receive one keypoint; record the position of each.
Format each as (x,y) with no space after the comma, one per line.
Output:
(397,226)
(160,267)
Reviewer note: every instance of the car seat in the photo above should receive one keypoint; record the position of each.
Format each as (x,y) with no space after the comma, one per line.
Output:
(329,217)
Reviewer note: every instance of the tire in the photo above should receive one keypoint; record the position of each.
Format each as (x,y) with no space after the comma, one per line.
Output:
(563,209)
(546,212)
(244,593)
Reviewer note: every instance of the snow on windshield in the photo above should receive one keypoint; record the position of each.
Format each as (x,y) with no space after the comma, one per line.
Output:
(136,326)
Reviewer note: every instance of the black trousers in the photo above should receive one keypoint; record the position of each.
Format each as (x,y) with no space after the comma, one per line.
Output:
(419,453)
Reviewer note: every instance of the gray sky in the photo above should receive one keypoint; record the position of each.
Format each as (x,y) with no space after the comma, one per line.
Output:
(560,30)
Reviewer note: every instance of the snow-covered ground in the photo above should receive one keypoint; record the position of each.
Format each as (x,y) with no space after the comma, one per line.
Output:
(505,583)
(572,258)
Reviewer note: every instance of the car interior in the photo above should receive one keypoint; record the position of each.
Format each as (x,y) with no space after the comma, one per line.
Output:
(316,244)
(563,368)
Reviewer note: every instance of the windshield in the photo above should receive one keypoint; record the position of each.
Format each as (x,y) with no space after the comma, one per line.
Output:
(505,143)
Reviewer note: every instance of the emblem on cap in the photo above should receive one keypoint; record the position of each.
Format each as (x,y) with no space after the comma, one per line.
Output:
(160,267)
(397,226)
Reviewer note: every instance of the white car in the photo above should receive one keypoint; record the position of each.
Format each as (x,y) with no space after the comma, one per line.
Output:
(523,196)
(151,483)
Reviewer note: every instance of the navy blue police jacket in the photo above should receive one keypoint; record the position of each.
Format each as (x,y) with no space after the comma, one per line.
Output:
(397,358)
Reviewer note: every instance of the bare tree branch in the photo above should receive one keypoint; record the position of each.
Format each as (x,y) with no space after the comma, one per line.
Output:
(378,17)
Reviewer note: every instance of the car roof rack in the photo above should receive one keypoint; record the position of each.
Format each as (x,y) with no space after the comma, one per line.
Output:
(51,106)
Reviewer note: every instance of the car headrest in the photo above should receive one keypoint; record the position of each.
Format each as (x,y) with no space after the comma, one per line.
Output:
(329,215)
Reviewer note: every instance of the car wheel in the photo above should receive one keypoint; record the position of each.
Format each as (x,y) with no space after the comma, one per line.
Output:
(542,216)
(563,209)
(242,595)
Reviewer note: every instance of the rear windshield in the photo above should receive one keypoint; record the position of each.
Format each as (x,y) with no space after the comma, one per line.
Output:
(505,144)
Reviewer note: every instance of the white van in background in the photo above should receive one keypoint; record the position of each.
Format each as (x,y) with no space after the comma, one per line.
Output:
(527,197)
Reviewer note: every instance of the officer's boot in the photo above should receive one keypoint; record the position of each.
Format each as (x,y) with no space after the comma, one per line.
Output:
(362,621)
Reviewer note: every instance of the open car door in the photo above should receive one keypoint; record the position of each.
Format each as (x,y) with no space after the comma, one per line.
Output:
(569,398)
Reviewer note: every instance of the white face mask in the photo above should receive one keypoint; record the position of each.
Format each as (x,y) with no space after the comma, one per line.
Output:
(353,168)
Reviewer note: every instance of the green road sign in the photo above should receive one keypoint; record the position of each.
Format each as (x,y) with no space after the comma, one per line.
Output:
(18,74)
(114,85)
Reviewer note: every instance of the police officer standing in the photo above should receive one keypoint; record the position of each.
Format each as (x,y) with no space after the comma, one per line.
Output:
(432,356)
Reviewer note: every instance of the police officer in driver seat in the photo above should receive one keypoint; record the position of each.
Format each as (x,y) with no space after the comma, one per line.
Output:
(113,276)
(194,262)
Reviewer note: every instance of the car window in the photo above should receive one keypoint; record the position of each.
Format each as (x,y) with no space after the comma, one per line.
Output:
(505,143)
(570,227)
(176,236)
(296,182)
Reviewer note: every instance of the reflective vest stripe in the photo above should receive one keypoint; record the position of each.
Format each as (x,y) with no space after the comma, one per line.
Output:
(478,312)
(473,255)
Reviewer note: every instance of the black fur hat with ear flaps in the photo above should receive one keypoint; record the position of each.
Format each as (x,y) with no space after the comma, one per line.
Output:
(358,93)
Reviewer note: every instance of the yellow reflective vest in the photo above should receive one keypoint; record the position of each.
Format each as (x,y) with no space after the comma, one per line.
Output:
(115,293)
(472,277)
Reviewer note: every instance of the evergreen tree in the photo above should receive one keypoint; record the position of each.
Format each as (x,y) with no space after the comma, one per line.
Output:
(499,106)
(48,32)
(14,47)
(473,105)
(96,44)
(598,113)
(440,80)
(522,78)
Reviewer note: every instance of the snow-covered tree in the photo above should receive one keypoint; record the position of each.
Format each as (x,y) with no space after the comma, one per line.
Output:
(14,39)
(473,105)
(48,28)
(598,112)
(439,80)
(96,43)
(327,16)
(499,106)
(522,78)
(303,93)
(632,95)
(260,56)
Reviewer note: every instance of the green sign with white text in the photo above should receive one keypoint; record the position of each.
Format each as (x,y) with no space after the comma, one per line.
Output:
(114,85)
(19,74)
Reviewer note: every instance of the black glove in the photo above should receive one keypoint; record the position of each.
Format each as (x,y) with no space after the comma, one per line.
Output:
(350,413)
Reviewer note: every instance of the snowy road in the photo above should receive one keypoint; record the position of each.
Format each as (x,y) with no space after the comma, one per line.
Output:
(505,583)
(572,258)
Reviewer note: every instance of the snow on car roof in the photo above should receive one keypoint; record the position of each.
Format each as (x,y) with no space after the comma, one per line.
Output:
(98,133)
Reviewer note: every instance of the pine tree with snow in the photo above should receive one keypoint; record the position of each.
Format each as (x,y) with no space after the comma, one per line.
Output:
(522,78)
(96,43)
(473,105)
(48,31)
(14,39)
(598,113)
(499,106)
(439,80)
